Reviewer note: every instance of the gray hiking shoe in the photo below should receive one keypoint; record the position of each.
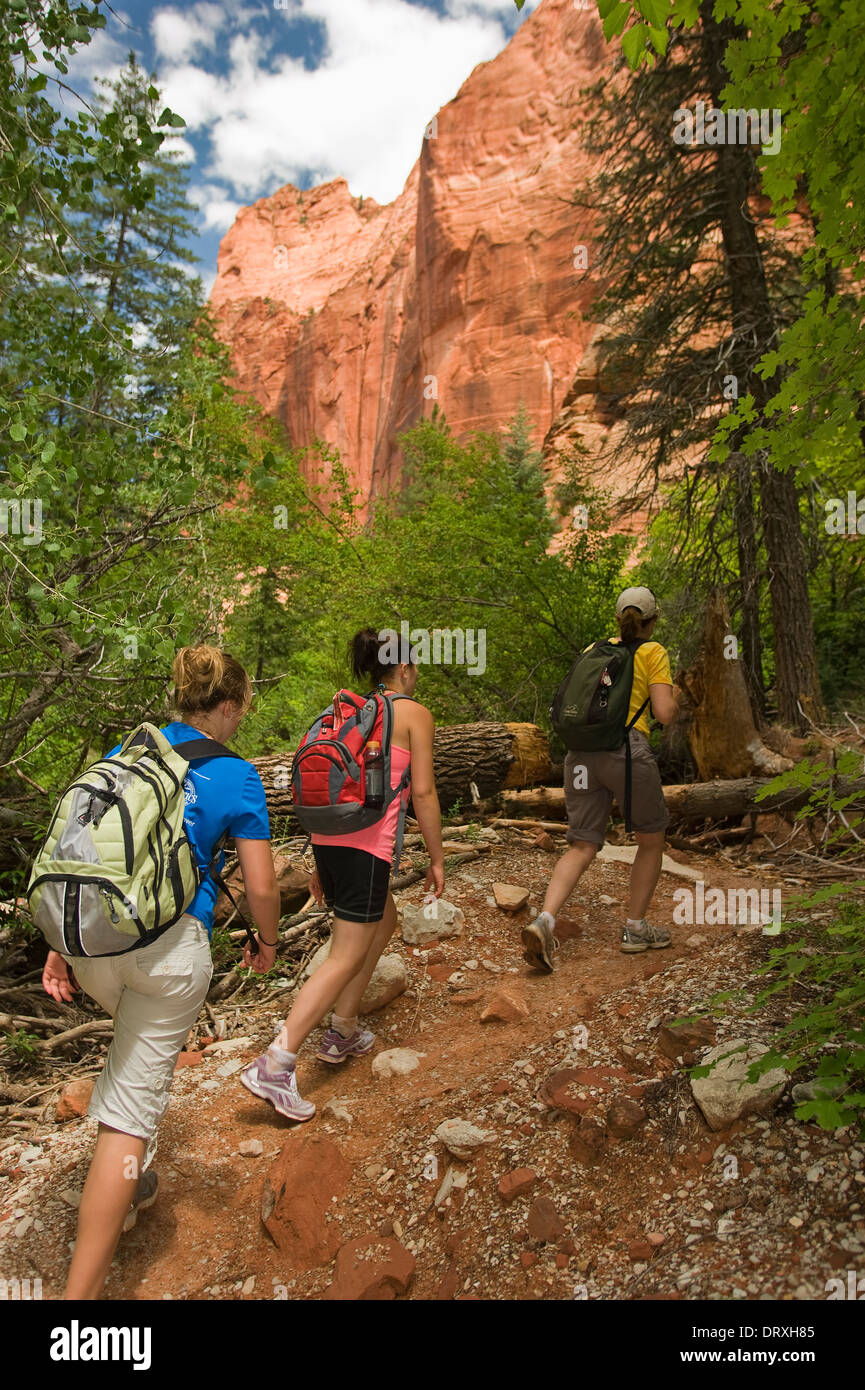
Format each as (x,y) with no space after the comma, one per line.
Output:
(145,1196)
(645,938)
(541,945)
(280,1090)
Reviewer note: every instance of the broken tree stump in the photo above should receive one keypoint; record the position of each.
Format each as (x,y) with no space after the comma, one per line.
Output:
(722,735)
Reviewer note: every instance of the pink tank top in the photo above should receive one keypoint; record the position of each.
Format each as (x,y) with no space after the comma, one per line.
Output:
(378,839)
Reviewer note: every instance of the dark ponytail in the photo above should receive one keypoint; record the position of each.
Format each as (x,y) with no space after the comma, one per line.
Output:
(366,649)
(632,624)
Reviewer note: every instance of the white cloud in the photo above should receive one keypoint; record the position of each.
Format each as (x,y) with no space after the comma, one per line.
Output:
(178,34)
(389,66)
(177,145)
(218,211)
(103,57)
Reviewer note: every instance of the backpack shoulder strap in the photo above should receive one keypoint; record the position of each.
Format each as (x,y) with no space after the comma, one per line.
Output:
(194,748)
(632,648)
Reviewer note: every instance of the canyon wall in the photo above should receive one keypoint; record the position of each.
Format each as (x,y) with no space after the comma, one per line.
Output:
(349,320)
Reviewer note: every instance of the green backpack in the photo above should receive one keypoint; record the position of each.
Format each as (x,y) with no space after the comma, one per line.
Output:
(590,708)
(117,868)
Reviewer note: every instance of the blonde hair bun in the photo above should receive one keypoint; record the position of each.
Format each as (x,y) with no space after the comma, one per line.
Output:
(204,676)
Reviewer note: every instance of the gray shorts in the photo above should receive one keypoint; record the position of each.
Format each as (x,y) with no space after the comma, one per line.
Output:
(589,803)
(154,996)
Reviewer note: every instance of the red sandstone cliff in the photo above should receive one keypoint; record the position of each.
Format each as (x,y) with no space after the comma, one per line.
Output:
(340,311)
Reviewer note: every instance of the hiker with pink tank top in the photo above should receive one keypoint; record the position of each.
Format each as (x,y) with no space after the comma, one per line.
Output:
(352,776)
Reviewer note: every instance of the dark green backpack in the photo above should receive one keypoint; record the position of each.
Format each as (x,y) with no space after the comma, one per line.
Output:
(590,708)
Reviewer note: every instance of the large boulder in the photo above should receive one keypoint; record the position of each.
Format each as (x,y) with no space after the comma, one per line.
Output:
(292,880)
(388,980)
(725,1094)
(298,1194)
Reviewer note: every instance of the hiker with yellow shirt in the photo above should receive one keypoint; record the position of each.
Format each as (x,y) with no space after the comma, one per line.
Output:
(601,713)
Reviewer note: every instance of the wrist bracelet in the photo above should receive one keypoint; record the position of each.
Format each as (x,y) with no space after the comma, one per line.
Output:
(271,944)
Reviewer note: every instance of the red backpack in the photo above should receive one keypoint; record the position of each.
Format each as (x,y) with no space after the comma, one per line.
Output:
(327,775)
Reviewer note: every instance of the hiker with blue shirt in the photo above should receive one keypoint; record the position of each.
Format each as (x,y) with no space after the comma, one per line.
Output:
(601,713)
(154,987)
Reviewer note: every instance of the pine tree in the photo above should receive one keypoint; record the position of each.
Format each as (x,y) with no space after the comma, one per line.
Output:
(697,288)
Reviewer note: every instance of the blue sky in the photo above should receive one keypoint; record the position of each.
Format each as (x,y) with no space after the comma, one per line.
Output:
(298,91)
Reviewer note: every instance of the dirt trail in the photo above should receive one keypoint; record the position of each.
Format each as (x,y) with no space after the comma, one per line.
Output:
(787,1219)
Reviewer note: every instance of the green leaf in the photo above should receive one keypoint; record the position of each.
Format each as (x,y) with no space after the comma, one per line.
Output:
(170,118)
(48,452)
(616,20)
(18,431)
(655,11)
(660,39)
(634,43)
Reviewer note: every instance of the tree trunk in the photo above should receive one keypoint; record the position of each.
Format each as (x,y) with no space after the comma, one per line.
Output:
(749,580)
(797,682)
(491,755)
(754,333)
(722,735)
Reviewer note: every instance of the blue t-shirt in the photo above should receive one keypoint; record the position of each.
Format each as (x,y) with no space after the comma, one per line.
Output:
(221,794)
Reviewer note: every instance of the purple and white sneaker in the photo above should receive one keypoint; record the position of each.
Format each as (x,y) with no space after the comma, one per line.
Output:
(335,1048)
(280,1090)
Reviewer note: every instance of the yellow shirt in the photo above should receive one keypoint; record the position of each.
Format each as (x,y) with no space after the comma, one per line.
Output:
(651,667)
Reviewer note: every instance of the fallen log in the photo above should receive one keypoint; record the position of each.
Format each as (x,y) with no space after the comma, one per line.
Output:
(691,801)
(490,755)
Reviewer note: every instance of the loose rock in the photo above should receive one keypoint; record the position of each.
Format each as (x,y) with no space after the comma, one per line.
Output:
(725,1095)
(587,1142)
(517,1183)
(675,1039)
(298,1193)
(461,1138)
(544,1222)
(74,1100)
(373,1267)
(510,897)
(431,921)
(625,1118)
(505,1005)
(397,1061)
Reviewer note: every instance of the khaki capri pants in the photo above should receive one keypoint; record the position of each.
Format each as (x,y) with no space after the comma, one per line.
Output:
(154,996)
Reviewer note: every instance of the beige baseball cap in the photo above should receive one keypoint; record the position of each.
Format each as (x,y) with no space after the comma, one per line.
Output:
(640,598)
